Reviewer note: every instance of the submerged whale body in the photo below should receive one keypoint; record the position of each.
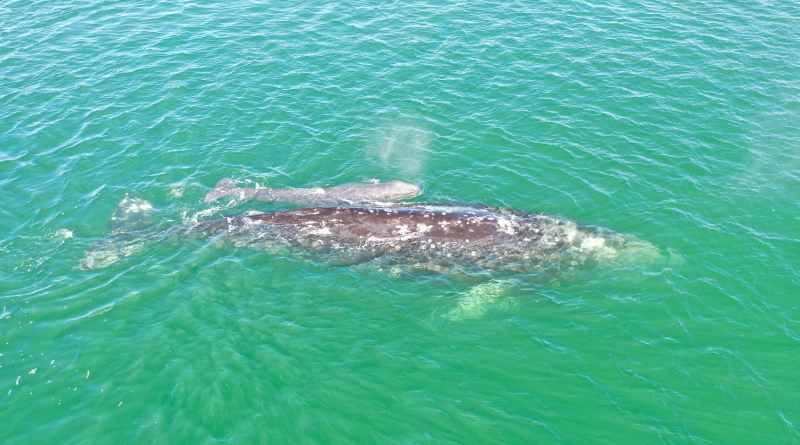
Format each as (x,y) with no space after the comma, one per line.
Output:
(435,238)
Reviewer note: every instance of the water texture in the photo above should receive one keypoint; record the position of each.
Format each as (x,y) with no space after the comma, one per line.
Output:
(675,122)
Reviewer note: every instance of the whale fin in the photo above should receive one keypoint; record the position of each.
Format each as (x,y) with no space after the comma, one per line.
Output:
(478,300)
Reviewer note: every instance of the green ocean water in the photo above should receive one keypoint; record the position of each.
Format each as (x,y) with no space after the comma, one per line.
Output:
(675,122)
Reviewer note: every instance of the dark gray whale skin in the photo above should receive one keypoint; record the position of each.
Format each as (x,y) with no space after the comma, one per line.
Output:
(429,237)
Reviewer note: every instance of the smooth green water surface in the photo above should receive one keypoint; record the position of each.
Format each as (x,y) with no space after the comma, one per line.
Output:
(675,122)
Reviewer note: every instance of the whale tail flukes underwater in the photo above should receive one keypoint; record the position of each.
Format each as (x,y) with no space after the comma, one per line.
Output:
(132,226)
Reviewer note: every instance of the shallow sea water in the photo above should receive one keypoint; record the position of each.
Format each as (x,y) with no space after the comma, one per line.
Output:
(673,122)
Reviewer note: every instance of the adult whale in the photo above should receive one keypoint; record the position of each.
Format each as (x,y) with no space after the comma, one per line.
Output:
(429,237)
(487,242)
(351,193)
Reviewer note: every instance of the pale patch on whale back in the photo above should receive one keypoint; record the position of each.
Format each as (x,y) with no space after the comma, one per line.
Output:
(570,231)
(555,232)
(598,247)
(592,243)
(423,228)
(318,231)
(507,226)
(619,250)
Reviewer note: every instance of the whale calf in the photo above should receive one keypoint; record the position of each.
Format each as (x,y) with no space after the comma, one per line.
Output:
(351,193)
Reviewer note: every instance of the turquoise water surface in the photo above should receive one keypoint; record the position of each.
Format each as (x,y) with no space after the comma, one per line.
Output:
(674,122)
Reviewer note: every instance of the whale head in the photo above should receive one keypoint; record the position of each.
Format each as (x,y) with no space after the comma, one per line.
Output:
(399,190)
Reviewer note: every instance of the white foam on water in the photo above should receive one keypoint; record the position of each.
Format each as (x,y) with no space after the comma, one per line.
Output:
(63,234)
(194,218)
(94,312)
(98,259)
(188,217)
(176,190)
(132,206)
